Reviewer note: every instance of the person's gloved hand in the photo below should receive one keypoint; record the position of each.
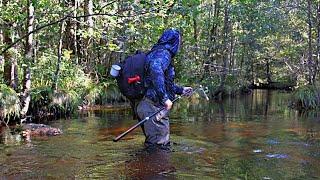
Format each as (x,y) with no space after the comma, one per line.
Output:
(168,104)
(187,91)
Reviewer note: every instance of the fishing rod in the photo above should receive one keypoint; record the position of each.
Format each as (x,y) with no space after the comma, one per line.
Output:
(200,88)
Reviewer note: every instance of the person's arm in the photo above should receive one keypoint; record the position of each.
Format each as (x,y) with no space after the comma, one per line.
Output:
(178,89)
(182,90)
(157,68)
(171,75)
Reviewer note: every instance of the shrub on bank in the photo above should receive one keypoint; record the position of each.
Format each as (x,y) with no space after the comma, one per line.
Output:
(75,88)
(9,102)
(306,97)
(233,86)
(46,102)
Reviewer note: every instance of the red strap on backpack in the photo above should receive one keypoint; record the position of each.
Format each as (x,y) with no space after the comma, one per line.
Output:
(134,79)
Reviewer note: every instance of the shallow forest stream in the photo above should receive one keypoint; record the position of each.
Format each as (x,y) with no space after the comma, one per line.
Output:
(254,136)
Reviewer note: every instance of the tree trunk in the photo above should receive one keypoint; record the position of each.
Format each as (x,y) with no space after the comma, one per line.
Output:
(225,44)
(70,41)
(10,62)
(226,31)
(1,40)
(195,29)
(10,74)
(214,30)
(268,71)
(242,58)
(1,37)
(56,75)
(251,58)
(318,43)
(88,9)
(25,95)
(310,63)
(231,61)
(1,31)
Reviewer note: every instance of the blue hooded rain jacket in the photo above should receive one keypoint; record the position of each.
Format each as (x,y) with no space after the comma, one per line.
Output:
(160,70)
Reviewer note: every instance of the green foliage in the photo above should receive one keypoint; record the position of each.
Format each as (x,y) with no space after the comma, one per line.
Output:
(249,34)
(102,93)
(45,101)
(233,85)
(72,76)
(12,12)
(64,102)
(75,87)
(212,83)
(93,94)
(41,97)
(109,93)
(72,84)
(307,97)
(9,102)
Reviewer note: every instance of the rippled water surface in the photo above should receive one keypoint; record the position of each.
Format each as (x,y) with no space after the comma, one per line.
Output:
(249,137)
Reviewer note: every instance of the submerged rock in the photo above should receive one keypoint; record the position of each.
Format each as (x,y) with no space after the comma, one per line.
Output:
(277,156)
(273,142)
(32,129)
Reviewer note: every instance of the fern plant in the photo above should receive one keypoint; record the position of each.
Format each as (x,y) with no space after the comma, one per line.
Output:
(9,102)
(307,97)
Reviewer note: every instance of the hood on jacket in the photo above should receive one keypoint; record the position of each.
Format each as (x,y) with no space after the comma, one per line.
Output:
(170,40)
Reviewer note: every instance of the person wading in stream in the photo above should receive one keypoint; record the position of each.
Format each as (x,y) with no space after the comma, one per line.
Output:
(160,88)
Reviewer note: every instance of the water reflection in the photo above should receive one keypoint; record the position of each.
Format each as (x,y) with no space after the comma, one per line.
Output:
(248,137)
(10,138)
(150,163)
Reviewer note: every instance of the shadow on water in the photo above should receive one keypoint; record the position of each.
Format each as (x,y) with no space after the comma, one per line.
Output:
(248,137)
(151,163)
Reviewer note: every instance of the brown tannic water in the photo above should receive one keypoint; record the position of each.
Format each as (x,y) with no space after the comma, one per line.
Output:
(249,137)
